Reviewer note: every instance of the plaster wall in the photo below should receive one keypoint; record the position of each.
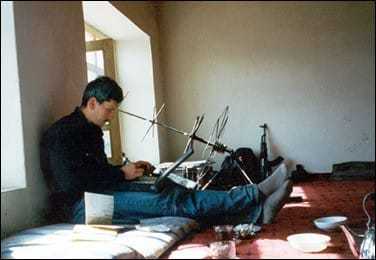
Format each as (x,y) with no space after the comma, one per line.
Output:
(304,68)
(143,14)
(52,74)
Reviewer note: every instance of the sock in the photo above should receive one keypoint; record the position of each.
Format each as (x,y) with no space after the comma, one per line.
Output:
(275,202)
(274,181)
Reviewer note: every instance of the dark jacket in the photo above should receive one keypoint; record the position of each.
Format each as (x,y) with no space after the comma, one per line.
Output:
(73,161)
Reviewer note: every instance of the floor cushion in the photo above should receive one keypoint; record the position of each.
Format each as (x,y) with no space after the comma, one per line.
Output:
(59,241)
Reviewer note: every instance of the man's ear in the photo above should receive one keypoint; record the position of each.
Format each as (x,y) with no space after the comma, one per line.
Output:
(91,103)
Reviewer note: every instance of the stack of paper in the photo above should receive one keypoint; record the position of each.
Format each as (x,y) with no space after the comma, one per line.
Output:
(99,208)
(98,232)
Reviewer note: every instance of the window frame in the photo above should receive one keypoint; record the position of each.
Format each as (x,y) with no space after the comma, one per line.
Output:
(107,47)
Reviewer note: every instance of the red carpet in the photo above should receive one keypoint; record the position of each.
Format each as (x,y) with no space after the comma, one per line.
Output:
(320,198)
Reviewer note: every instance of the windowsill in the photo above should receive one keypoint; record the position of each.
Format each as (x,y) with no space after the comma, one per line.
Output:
(8,189)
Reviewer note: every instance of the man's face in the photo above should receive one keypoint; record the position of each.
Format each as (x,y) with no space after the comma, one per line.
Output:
(104,112)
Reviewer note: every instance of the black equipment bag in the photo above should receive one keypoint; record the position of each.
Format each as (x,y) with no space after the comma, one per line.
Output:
(230,174)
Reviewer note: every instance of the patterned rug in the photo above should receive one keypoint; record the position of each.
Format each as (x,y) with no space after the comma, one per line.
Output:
(321,197)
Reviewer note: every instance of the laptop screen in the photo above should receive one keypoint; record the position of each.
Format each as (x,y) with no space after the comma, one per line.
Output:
(160,180)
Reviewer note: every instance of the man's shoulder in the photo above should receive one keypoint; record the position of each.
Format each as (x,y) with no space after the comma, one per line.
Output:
(65,125)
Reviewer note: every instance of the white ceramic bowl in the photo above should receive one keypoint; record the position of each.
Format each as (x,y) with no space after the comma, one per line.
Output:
(309,242)
(327,223)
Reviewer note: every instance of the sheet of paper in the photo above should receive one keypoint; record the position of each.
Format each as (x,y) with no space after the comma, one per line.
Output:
(99,208)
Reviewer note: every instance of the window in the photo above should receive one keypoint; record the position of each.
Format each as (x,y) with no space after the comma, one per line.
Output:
(94,57)
(134,73)
(95,66)
(12,144)
(100,61)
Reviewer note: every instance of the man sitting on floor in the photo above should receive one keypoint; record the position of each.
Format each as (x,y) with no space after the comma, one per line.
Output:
(73,161)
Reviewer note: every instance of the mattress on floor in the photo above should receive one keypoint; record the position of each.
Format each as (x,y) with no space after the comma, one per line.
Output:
(60,241)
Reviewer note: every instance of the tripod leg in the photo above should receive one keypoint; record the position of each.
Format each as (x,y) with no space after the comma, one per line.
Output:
(210,181)
(243,172)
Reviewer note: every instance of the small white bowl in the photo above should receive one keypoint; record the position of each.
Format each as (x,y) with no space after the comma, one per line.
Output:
(327,223)
(309,242)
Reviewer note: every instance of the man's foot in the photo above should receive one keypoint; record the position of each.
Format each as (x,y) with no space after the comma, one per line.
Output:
(275,202)
(274,181)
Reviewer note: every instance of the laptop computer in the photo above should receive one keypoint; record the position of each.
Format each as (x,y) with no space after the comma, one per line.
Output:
(168,174)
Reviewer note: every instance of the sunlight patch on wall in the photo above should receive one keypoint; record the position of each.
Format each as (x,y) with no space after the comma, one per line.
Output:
(12,141)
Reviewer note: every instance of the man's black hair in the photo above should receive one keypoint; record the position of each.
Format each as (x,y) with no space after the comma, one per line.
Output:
(103,89)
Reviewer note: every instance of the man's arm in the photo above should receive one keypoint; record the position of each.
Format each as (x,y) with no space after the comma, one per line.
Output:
(76,170)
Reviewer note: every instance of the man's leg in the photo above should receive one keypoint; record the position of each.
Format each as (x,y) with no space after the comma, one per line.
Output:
(275,202)
(274,181)
(187,203)
(244,200)
(131,206)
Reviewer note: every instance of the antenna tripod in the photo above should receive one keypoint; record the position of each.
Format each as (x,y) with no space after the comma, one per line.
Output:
(216,145)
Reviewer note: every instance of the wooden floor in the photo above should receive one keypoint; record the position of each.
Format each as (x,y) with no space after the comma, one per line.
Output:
(321,197)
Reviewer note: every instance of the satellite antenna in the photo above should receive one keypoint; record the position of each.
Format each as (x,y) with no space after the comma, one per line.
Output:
(152,124)
(213,143)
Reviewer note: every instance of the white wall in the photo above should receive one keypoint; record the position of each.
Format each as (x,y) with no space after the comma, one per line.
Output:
(306,69)
(12,148)
(135,74)
(52,75)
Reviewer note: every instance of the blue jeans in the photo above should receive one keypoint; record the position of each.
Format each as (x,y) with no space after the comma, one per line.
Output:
(133,202)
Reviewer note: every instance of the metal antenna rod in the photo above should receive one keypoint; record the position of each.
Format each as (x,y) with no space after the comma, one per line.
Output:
(155,122)
(218,146)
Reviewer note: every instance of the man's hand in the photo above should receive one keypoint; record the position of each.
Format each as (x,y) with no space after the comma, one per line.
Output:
(131,171)
(136,169)
(145,165)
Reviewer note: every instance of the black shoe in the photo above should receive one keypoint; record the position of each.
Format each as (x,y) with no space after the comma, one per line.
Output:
(300,174)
